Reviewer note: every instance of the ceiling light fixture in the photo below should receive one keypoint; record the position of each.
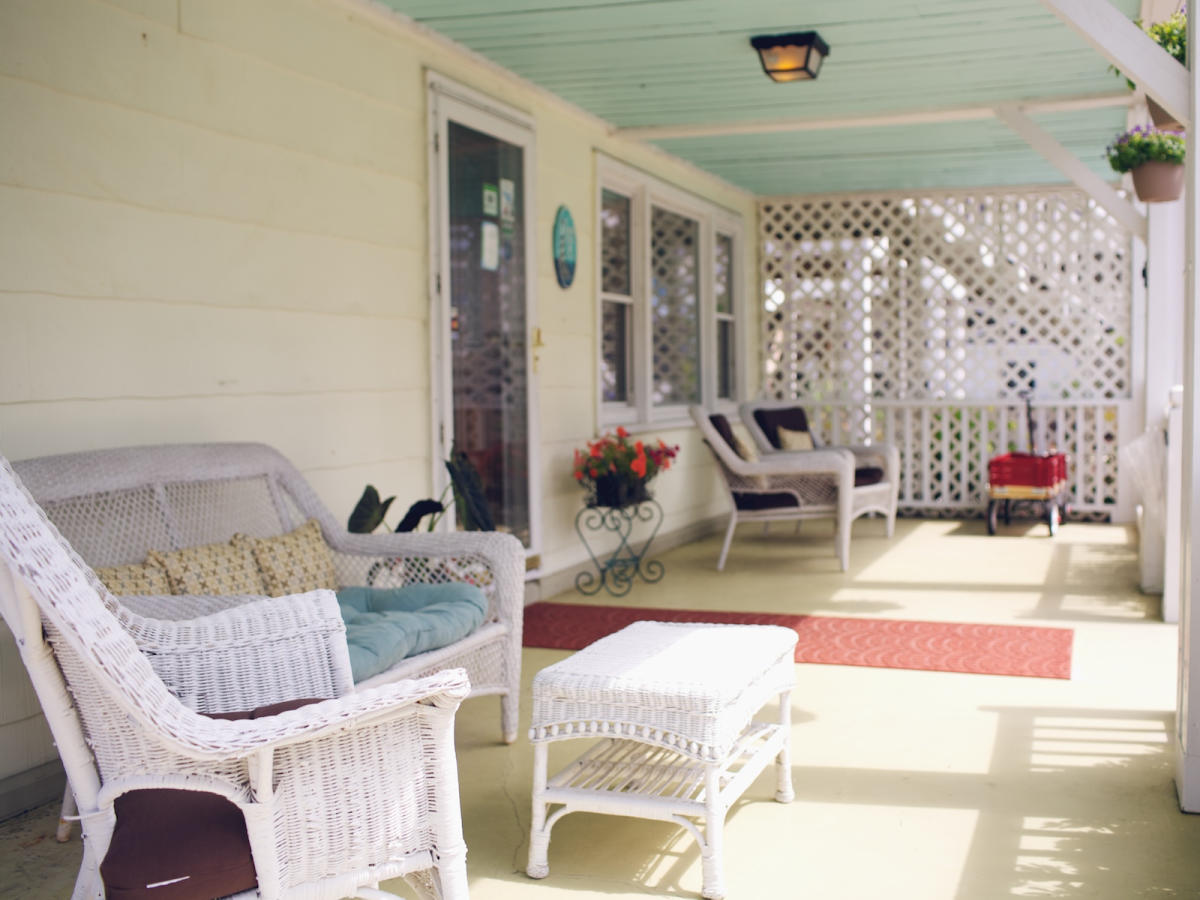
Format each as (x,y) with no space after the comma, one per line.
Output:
(791,57)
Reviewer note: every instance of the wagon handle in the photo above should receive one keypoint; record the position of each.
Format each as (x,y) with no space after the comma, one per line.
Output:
(1027,396)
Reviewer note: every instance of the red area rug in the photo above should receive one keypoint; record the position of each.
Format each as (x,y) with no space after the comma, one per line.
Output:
(831,640)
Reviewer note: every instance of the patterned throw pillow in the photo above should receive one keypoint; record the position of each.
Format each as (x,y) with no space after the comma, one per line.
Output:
(220,569)
(794,440)
(136,579)
(292,563)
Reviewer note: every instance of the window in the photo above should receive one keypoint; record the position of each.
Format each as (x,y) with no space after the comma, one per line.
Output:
(669,300)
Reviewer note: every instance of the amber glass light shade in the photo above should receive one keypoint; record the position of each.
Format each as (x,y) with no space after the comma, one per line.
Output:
(791,57)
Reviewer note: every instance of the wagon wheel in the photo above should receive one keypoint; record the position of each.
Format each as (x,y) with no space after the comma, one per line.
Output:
(1052,516)
(1008,512)
(991,515)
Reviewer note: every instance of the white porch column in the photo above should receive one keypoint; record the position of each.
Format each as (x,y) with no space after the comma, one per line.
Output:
(1187,768)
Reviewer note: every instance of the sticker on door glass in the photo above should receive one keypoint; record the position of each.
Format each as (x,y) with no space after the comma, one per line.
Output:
(508,200)
(491,200)
(489,246)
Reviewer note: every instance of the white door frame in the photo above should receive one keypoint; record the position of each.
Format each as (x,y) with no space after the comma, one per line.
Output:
(450,100)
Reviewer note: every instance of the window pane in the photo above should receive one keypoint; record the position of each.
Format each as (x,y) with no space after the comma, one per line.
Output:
(614,241)
(675,250)
(723,273)
(614,360)
(725,383)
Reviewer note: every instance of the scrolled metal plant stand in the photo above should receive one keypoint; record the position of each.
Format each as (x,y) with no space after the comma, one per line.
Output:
(617,573)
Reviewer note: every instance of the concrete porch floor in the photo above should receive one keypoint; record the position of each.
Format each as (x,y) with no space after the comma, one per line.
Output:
(910,785)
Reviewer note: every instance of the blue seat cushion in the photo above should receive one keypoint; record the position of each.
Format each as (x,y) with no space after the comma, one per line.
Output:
(386,625)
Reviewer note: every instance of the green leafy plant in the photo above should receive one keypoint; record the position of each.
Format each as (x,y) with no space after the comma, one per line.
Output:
(1170,34)
(465,485)
(371,510)
(1145,144)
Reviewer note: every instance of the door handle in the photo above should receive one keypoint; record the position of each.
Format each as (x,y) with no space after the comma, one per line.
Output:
(536,344)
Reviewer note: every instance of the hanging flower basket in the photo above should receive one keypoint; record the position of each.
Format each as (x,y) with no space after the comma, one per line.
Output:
(1158,182)
(1155,160)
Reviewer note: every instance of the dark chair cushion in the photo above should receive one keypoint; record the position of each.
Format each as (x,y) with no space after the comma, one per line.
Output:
(867,475)
(774,500)
(182,845)
(724,429)
(770,420)
(177,845)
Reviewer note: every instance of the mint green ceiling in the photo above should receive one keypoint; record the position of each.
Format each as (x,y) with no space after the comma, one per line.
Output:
(671,62)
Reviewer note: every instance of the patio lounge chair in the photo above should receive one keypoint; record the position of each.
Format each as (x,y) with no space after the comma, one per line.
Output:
(769,420)
(791,486)
(325,800)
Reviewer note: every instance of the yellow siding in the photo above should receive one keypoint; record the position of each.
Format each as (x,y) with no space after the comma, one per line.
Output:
(213,227)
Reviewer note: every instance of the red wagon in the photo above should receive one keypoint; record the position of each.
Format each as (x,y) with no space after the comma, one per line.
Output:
(1016,477)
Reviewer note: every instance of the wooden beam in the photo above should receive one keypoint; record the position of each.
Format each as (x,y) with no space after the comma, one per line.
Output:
(1128,48)
(1074,168)
(901,117)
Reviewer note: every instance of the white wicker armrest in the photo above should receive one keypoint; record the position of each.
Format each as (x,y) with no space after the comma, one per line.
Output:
(502,554)
(831,460)
(882,456)
(199,737)
(264,650)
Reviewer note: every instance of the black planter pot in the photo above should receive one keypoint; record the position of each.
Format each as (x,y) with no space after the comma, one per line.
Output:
(616,492)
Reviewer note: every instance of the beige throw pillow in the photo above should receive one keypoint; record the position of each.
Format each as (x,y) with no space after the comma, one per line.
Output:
(292,563)
(220,569)
(744,448)
(794,440)
(135,578)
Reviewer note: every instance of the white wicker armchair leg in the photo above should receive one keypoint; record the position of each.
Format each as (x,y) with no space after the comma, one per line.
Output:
(711,850)
(539,834)
(510,704)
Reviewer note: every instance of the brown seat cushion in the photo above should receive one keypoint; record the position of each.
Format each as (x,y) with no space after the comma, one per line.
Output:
(770,420)
(177,845)
(182,845)
(867,475)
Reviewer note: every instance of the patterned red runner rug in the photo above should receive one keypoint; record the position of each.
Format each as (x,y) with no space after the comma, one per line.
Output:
(831,640)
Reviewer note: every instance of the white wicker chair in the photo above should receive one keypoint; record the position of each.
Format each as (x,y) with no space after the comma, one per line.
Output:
(337,795)
(793,486)
(116,505)
(883,457)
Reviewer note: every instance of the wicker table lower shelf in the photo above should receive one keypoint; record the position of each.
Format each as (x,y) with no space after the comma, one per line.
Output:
(648,771)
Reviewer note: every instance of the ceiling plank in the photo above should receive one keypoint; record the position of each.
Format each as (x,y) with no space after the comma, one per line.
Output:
(905,117)
(1074,168)
(1130,49)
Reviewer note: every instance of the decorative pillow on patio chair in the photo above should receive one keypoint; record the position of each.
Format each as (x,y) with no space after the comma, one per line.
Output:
(790,486)
(775,424)
(335,796)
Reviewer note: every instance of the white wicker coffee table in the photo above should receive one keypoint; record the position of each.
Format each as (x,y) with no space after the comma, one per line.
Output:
(674,703)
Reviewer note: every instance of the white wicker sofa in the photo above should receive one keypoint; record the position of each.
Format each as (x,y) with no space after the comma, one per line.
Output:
(114,506)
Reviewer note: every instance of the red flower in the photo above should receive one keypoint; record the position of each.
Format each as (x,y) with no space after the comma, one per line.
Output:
(621,432)
(595,450)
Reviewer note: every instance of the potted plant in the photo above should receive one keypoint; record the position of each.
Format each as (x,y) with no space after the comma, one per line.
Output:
(1155,160)
(616,471)
(1171,35)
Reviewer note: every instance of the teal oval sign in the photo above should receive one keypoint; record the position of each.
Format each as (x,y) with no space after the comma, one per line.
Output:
(564,247)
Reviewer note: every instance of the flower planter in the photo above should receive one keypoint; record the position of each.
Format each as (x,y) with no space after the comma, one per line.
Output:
(1158,182)
(617,492)
(1161,118)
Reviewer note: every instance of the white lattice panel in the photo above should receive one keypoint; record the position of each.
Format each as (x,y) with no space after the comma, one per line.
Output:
(921,319)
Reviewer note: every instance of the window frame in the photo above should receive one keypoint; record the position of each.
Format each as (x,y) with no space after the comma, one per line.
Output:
(645,192)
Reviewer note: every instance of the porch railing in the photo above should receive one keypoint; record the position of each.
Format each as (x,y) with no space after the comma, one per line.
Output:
(945,445)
